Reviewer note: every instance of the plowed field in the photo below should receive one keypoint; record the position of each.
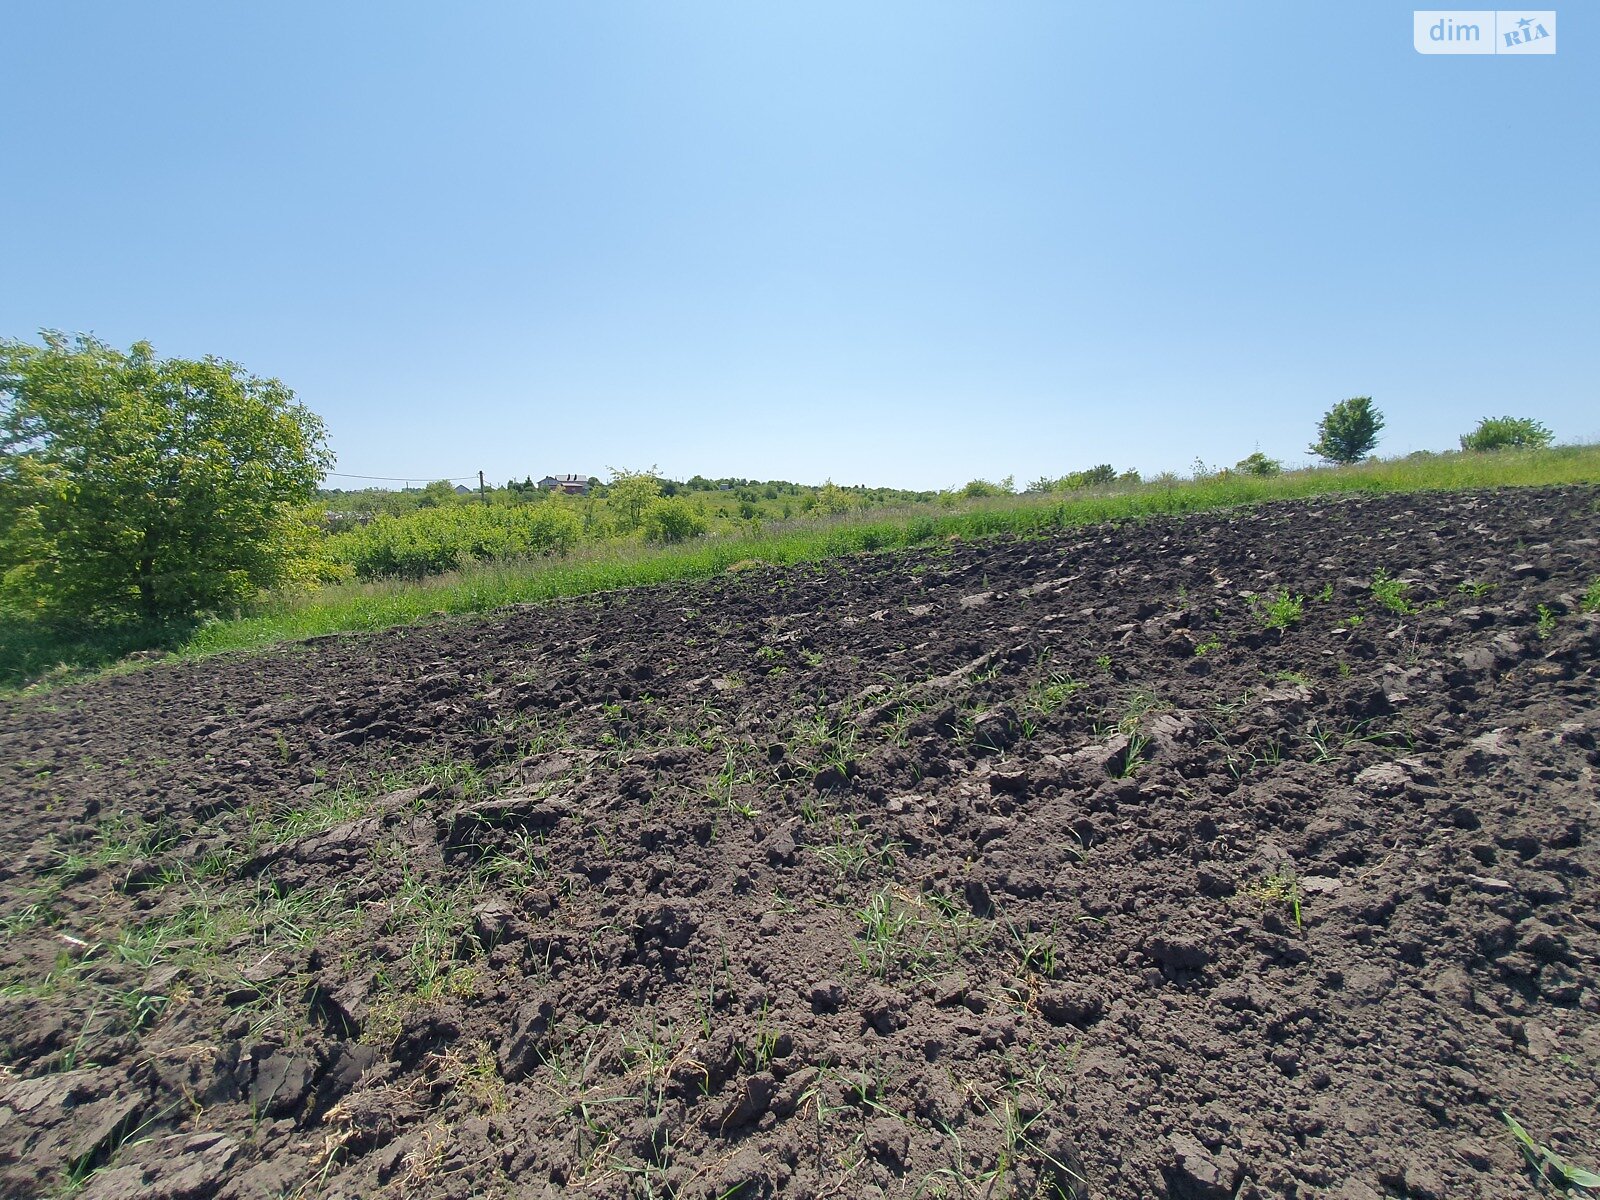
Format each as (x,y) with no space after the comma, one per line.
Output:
(1243,855)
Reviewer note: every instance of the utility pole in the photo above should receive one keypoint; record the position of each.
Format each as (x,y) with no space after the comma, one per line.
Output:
(483,491)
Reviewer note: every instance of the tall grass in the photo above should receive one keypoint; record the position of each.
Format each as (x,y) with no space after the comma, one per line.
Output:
(607,566)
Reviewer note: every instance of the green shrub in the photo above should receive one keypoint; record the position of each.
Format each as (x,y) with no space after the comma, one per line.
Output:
(1507,433)
(1259,464)
(1098,476)
(630,496)
(830,500)
(672,520)
(979,489)
(432,541)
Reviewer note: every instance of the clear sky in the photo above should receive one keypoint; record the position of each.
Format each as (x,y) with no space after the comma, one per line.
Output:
(897,243)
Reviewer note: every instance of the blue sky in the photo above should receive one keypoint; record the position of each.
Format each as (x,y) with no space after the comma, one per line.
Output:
(889,243)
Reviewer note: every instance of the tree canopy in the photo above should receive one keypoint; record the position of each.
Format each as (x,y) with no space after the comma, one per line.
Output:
(631,494)
(1348,432)
(137,486)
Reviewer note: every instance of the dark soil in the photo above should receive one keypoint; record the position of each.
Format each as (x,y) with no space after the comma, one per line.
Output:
(1015,868)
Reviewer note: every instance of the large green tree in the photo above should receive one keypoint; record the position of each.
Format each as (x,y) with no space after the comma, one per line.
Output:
(132,485)
(1349,431)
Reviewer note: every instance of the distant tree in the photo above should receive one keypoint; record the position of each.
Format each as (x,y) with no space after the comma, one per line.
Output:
(438,494)
(1098,476)
(978,488)
(1507,433)
(630,495)
(132,485)
(1258,464)
(832,500)
(1348,432)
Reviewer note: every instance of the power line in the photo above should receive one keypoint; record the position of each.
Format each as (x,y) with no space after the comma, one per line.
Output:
(401,478)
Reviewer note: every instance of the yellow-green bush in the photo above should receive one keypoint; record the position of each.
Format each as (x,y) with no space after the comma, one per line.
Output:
(431,541)
(672,520)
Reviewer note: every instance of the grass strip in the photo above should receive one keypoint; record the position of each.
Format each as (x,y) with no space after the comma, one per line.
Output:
(29,651)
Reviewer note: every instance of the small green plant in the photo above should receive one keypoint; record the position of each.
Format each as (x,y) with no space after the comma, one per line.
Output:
(1057,690)
(1325,596)
(1280,888)
(1139,705)
(1133,757)
(72,1056)
(1545,1163)
(1014,1123)
(1201,649)
(852,854)
(523,864)
(1591,598)
(1323,743)
(1547,622)
(1477,590)
(768,1035)
(883,924)
(1270,755)
(723,789)
(1036,955)
(1394,594)
(1281,611)
(39,912)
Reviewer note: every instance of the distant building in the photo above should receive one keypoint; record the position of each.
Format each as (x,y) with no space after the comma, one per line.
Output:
(571,485)
(463,490)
